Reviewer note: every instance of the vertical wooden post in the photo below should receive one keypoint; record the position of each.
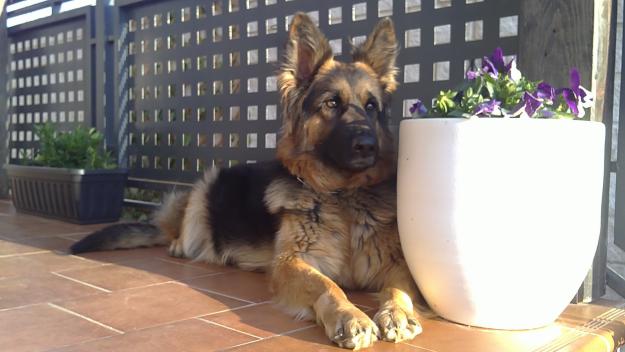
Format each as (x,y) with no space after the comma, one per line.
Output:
(98,76)
(555,36)
(4,126)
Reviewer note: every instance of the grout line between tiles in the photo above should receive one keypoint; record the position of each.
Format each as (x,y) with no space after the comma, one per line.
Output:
(85,318)
(190,266)
(583,332)
(76,233)
(146,286)
(189,318)
(46,236)
(96,264)
(86,259)
(243,344)
(230,310)
(229,328)
(187,264)
(203,276)
(66,237)
(81,282)
(297,330)
(213,292)
(81,343)
(19,307)
(271,337)
(419,347)
(21,254)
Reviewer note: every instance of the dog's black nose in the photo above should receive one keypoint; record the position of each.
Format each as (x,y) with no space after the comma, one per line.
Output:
(365,146)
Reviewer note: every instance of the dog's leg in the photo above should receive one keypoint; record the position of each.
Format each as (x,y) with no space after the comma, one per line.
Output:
(396,317)
(299,285)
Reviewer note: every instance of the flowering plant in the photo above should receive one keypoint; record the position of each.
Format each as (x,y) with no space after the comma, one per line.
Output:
(498,89)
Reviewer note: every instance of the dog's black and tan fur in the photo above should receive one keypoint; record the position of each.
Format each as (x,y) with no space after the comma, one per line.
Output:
(323,215)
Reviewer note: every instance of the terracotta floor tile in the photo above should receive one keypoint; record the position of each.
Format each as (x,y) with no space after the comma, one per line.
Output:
(185,336)
(136,273)
(249,286)
(214,267)
(263,320)
(19,291)
(6,207)
(442,335)
(588,342)
(24,225)
(581,313)
(42,327)
(149,306)
(123,255)
(27,244)
(314,340)
(119,256)
(76,237)
(35,264)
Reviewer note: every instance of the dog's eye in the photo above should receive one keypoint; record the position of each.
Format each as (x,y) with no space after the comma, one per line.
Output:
(371,106)
(332,103)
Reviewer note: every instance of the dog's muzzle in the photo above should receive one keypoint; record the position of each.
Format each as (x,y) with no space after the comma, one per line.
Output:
(351,146)
(364,150)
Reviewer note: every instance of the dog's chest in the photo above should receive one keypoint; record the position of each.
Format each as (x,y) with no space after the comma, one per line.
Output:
(372,236)
(359,240)
(349,236)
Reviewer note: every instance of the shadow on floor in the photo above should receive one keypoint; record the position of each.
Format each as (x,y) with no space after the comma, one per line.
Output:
(119,300)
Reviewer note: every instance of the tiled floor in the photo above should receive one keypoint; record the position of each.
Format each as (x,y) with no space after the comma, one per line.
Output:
(143,300)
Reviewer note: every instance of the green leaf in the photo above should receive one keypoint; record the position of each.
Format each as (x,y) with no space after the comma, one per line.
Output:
(81,148)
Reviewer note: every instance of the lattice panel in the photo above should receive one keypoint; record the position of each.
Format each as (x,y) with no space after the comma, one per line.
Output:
(48,80)
(199,78)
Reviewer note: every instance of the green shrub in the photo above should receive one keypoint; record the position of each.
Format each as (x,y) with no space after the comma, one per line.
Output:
(78,149)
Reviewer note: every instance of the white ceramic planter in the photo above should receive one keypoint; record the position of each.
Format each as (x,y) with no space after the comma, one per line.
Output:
(499,218)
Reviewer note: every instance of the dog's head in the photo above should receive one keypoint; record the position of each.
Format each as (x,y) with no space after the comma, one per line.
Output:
(335,132)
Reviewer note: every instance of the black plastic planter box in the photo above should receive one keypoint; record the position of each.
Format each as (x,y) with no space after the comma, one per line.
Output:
(75,195)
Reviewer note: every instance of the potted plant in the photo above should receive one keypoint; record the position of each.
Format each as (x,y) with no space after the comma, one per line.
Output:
(70,178)
(499,197)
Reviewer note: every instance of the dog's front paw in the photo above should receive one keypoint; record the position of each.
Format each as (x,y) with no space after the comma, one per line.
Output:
(396,324)
(175,249)
(352,329)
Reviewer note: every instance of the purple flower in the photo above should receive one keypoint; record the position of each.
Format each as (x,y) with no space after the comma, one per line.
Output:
(576,97)
(489,67)
(545,91)
(488,107)
(571,99)
(574,82)
(531,104)
(419,108)
(471,75)
(584,97)
(497,59)
(495,63)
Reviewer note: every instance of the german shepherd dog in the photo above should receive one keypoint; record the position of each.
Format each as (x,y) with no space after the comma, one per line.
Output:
(322,216)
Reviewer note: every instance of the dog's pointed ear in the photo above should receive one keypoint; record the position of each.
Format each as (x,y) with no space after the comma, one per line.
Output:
(380,51)
(307,49)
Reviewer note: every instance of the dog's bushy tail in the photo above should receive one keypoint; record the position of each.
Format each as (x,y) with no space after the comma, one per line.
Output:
(120,236)
(168,220)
